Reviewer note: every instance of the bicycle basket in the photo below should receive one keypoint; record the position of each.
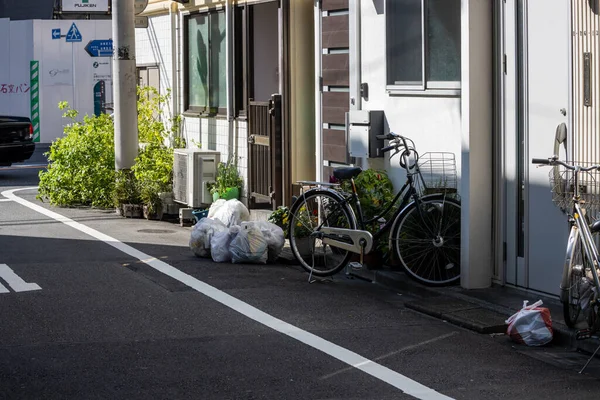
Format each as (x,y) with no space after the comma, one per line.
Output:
(562,184)
(438,173)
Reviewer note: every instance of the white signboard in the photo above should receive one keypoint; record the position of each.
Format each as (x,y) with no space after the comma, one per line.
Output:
(85,5)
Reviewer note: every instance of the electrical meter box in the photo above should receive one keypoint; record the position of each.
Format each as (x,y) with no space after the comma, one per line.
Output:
(363,126)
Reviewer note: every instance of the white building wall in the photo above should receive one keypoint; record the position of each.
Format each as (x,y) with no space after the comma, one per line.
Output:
(154,47)
(432,121)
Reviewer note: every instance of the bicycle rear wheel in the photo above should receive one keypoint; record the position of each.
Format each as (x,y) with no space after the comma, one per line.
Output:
(308,214)
(426,239)
(573,276)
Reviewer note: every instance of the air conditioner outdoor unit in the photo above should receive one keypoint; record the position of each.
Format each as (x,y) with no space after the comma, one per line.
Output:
(192,170)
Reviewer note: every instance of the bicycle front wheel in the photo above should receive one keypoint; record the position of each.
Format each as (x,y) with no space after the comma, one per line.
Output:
(309,213)
(426,239)
(573,275)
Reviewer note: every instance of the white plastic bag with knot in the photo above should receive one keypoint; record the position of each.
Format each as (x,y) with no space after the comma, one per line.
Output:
(220,243)
(532,325)
(230,212)
(201,235)
(249,246)
(273,235)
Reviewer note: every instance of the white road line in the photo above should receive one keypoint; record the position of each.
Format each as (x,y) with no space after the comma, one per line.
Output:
(5,200)
(3,289)
(15,281)
(355,360)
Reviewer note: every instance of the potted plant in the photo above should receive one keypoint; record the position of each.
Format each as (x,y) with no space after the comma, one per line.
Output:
(126,195)
(375,190)
(228,182)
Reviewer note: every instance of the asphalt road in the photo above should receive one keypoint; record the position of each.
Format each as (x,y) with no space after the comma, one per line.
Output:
(109,308)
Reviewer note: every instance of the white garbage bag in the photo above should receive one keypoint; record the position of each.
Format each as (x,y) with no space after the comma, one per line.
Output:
(249,246)
(202,233)
(273,235)
(230,212)
(215,206)
(220,243)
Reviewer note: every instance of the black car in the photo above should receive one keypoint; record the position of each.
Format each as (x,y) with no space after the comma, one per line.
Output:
(16,140)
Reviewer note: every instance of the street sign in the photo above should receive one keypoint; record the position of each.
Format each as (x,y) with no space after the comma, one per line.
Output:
(74,35)
(139,6)
(141,22)
(100,48)
(55,34)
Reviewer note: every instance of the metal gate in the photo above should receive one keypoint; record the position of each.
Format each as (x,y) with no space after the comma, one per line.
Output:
(264,153)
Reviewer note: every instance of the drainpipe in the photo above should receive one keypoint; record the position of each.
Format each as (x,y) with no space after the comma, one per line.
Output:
(318,94)
(174,13)
(229,63)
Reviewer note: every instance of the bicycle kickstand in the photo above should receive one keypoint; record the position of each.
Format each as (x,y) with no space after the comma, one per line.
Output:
(589,360)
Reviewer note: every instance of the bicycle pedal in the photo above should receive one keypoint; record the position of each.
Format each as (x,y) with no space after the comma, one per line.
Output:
(355,265)
(583,334)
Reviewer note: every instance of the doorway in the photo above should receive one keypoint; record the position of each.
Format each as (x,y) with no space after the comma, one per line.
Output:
(535,100)
(264,88)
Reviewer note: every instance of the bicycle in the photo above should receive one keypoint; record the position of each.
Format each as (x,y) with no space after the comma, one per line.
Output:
(580,274)
(327,226)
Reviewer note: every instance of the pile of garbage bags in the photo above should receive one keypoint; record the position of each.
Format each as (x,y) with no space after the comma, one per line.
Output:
(226,235)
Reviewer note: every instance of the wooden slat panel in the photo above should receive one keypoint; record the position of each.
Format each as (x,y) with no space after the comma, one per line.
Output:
(335,32)
(336,70)
(334,137)
(336,99)
(335,105)
(335,153)
(334,5)
(334,115)
(335,23)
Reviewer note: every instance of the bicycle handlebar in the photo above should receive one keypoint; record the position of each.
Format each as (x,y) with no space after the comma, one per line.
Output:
(555,161)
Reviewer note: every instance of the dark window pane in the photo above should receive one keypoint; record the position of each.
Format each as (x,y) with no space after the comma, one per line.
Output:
(218,63)
(443,40)
(404,42)
(198,61)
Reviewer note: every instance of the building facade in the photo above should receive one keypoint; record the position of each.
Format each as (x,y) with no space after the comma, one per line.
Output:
(489,81)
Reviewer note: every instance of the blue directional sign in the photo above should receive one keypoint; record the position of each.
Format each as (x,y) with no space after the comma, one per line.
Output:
(55,34)
(100,48)
(74,35)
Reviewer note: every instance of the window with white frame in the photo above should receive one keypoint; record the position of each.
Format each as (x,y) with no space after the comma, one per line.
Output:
(206,88)
(423,44)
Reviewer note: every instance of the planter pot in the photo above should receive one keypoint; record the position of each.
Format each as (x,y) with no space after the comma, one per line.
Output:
(156,215)
(373,260)
(132,210)
(230,193)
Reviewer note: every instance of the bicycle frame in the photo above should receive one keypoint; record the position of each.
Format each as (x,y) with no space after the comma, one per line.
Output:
(361,238)
(589,246)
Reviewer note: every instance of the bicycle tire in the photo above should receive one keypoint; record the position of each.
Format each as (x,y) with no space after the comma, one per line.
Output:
(573,272)
(303,220)
(428,247)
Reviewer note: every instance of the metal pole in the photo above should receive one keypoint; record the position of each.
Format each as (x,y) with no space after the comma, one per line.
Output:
(125,84)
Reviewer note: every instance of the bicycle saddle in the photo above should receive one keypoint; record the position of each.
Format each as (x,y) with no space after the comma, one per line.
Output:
(346,172)
(595,227)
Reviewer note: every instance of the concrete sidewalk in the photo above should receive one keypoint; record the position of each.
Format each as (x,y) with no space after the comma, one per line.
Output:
(481,310)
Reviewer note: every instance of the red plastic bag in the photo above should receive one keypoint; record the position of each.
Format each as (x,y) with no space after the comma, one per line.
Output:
(532,325)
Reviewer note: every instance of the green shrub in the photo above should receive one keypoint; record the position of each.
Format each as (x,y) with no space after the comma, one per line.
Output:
(82,162)
(375,191)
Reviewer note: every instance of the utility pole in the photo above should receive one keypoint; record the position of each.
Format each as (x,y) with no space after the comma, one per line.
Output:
(124,84)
